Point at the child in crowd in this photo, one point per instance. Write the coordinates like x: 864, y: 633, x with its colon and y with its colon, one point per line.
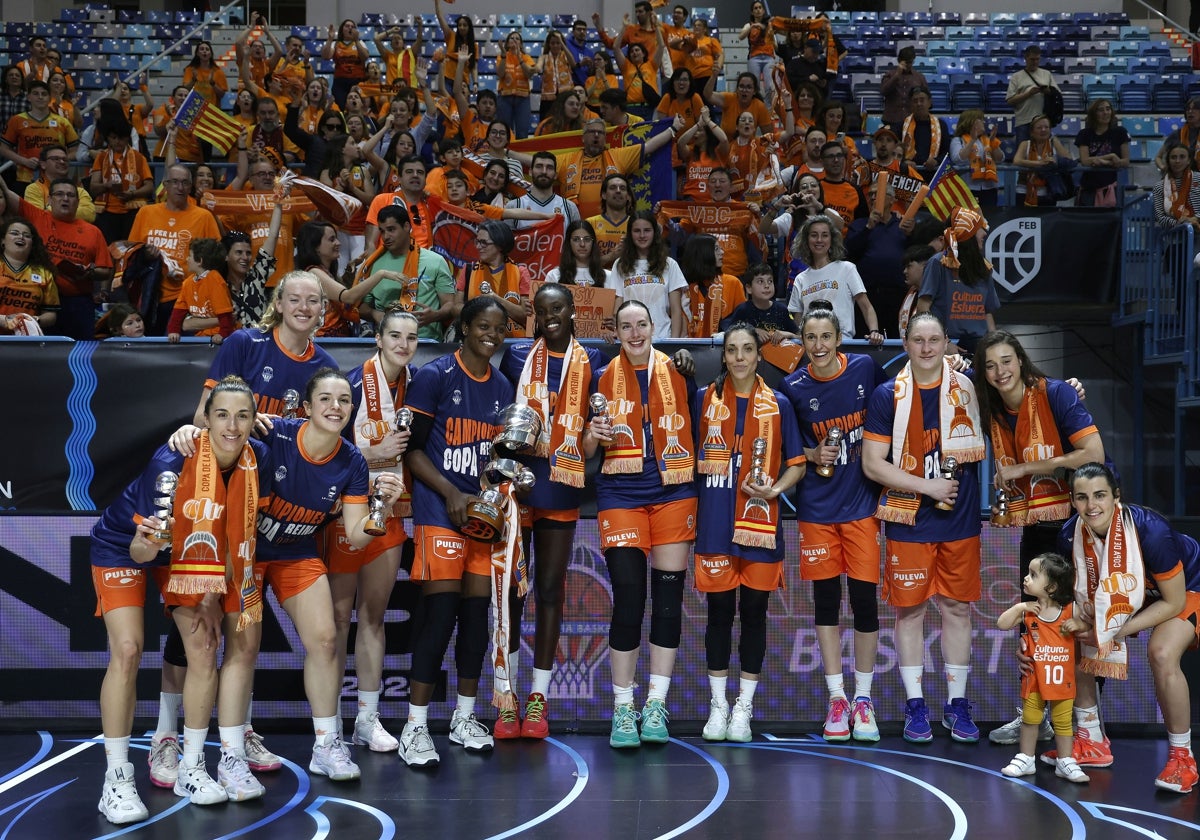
x: 913, y: 266
x: 1050, y: 624
x: 121, y: 321
x: 768, y: 316
x: 204, y: 293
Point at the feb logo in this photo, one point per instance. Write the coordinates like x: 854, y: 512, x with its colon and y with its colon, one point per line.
x: 1015, y: 251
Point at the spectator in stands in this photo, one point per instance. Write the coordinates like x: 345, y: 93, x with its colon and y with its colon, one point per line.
x: 614, y: 108
x: 579, y: 263
x: 1103, y: 142
x: 204, y: 293
x: 705, y: 57
x: 831, y: 277
x: 735, y: 228
x: 876, y: 246
x: 747, y: 99
x: 926, y: 137
x: 349, y: 55
x: 580, y: 172
x: 808, y: 65
x: 121, y: 182
x: 567, y: 115
x: 29, y: 299
x: 750, y: 156
x: 806, y: 102
x: 168, y: 229
x: 760, y: 59
x: 555, y: 66
x: 712, y: 292
x: 612, y: 222
x: 814, y: 141
x: 13, y: 101
x: 457, y: 39
x: 28, y: 132
x: 1039, y: 157
x: 832, y: 120
x: 415, y: 279
x: 640, y: 74
x: 896, y: 85
x: 515, y: 67
x: 247, y: 271
x: 702, y: 148
x: 137, y: 114
x: 1177, y: 196
x: 1188, y: 134
x: 642, y: 30
x: 410, y: 193
x: 399, y: 61
x: 913, y: 263
x: 38, y: 65
x: 203, y: 75
x: 1026, y: 92
x: 495, y: 275
x: 977, y: 154
x: 187, y: 147
x: 770, y: 318
x: 315, y: 105
x: 675, y: 31
x: 255, y: 52
x: 121, y: 321
x: 493, y: 188
x: 350, y: 170
x: 268, y: 134
x: 543, y: 174
x: 318, y: 249
x: 678, y: 100
x: 903, y: 179
x: 958, y: 286
x: 840, y: 194
x: 56, y: 165
x: 577, y: 45
x: 645, y: 272
x: 78, y: 252
x: 62, y: 100
x: 292, y: 69
x: 602, y: 79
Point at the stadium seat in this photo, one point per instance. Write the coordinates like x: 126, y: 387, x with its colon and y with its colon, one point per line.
x: 1169, y: 93
x: 990, y: 33
x: 1079, y: 65
x: 1112, y: 65
x: 859, y: 18
x: 1087, y: 18
x: 1135, y: 33
x: 1102, y: 85
x: 1122, y: 49
x: 966, y: 91
x: 940, y: 49
x: 1140, y: 126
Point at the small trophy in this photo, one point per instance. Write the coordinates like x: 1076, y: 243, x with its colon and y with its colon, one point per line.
x: 485, y: 288
x: 1001, y: 517
x: 291, y: 403
x: 599, y: 404
x: 376, y: 512
x: 165, y: 485
x: 949, y: 465
x: 758, y: 461
x: 834, y: 438
x: 404, y: 418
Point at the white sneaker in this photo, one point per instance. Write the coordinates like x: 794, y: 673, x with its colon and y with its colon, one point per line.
x: 718, y: 721
x: 1021, y: 765
x: 119, y: 800
x: 260, y: 759
x: 164, y: 762
x: 198, y: 786
x: 416, y: 746
x: 739, y: 721
x: 1068, y: 768
x: 234, y: 775
x: 333, y: 760
x: 468, y: 731
x: 865, y: 727
x: 1010, y: 733
x: 369, y: 732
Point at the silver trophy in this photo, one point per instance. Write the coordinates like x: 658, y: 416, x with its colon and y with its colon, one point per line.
x: 291, y: 403
x: 833, y: 438
x: 599, y: 404
x: 404, y: 418
x: 1001, y: 517
x: 521, y: 428
x: 485, y: 515
x: 376, y: 512
x: 949, y: 466
x: 758, y: 461
x: 165, y: 485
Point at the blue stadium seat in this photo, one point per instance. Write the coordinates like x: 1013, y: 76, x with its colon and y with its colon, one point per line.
x: 1059, y: 18
x: 122, y: 63
x: 92, y: 80
x: 1116, y: 19
x: 1087, y: 18
x: 947, y: 66
x: 925, y: 64
x: 939, y: 91
x: 1149, y: 64
x: 1135, y: 33
x: 947, y: 18
x: 156, y: 16
x: 864, y: 17
x: 1004, y: 19
x: 1140, y: 126
x: 512, y: 20
x: 1079, y: 65
x: 72, y: 15
x: 1169, y: 92
x: 537, y: 20
x: 1101, y: 86
x: 1074, y: 97
x: 1094, y: 49
x: 1123, y: 48
x: 111, y: 45
x: 966, y: 91
x: 990, y: 33
x: 972, y: 50
x: 129, y: 16
x: 1062, y: 49
x: 1112, y: 65
x: 1071, y: 125
x: 1031, y: 18
x: 891, y: 17
x: 941, y: 49
x: 960, y: 33
x: 839, y: 18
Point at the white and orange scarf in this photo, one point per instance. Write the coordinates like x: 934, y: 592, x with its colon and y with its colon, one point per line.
x: 1176, y: 200
x: 706, y: 309
x: 375, y: 421
x: 909, y: 130
x: 212, y: 540
x: 983, y: 166
x: 672, y: 430
x: 958, y: 428
x: 562, y: 418
x: 1111, y: 588
x: 758, y: 520
x: 1040, y: 498
x: 509, y: 568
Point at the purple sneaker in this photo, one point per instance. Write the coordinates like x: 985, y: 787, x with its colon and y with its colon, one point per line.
x: 956, y: 716
x: 916, y: 722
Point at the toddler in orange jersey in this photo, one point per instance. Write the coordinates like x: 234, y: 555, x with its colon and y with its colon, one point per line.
x: 204, y: 294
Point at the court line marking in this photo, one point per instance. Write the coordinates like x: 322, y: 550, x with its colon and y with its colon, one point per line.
x: 581, y: 781
x: 719, y: 796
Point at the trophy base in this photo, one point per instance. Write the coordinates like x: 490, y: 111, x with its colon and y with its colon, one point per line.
x: 484, y: 522
x: 944, y: 506
x: 825, y: 472
x: 374, y: 530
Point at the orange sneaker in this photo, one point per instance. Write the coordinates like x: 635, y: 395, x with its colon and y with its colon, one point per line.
x: 1086, y: 752
x: 535, y: 724
x: 508, y: 725
x: 1180, y: 773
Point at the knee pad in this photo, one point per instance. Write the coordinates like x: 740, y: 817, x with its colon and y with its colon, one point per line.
x: 666, y: 607
x: 173, y: 652
x: 717, y: 642
x: 431, y: 635
x: 752, y: 648
x: 627, y: 573
x: 827, y: 601
x: 864, y: 603
x: 470, y: 647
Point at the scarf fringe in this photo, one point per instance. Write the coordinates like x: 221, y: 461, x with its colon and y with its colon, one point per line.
x: 572, y: 475
x: 252, y: 614
x: 505, y: 701
x: 753, y: 538
x: 622, y: 465
x: 1104, y: 668
x: 897, y: 515
x: 711, y: 466
x: 678, y: 475
x: 197, y: 583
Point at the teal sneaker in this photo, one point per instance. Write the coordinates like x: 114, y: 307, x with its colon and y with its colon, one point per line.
x: 624, y: 727
x: 654, y: 722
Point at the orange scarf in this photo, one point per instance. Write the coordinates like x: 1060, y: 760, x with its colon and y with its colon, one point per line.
x: 672, y: 430
x: 411, y: 271
x: 1033, y: 180
x: 1039, y: 498
x: 562, y: 418
x: 481, y: 280
x: 1175, y: 200
x: 1112, y: 588
x: 375, y: 421
x: 814, y: 28
x: 983, y: 167
x: 208, y: 548
x: 758, y: 521
x: 909, y: 130
x: 706, y: 319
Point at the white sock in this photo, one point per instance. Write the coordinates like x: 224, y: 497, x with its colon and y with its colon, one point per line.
x: 622, y: 694
x: 836, y: 684
x: 718, y: 685
x: 541, y: 681
x: 1088, y: 719
x: 1182, y: 739
x: 368, y: 702
x: 658, y: 687
x: 193, y: 746
x: 168, y: 715
x: 326, y: 729
x: 862, y: 683
x: 116, y: 752
x: 910, y: 675
x: 514, y: 659
x: 465, y: 705
x: 956, y: 681
x: 250, y: 711
x: 233, y: 740
x: 748, y: 687
x: 418, y: 715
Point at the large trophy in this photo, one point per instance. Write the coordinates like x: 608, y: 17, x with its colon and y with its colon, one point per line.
x: 165, y: 485
x: 486, y: 515
x: 949, y: 465
x: 834, y: 438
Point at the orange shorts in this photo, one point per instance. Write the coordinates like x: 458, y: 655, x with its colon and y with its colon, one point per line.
x: 344, y: 559
x: 530, y: 515
x: 1191, y: 613
x: 842, y: 548
x: 648, y: 526
x: 125, y: 586
x: 723, y: 572
x: 288, y: 577
x: 913, y: 572
x: 445, y: 554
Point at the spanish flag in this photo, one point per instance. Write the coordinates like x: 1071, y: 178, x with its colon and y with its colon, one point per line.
x: 208, y: 122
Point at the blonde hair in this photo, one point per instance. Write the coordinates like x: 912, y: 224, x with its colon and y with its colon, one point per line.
x: 271, y: 317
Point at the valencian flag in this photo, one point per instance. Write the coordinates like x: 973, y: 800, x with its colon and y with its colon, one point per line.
x: 208, y: 122
x: 948, y: 190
